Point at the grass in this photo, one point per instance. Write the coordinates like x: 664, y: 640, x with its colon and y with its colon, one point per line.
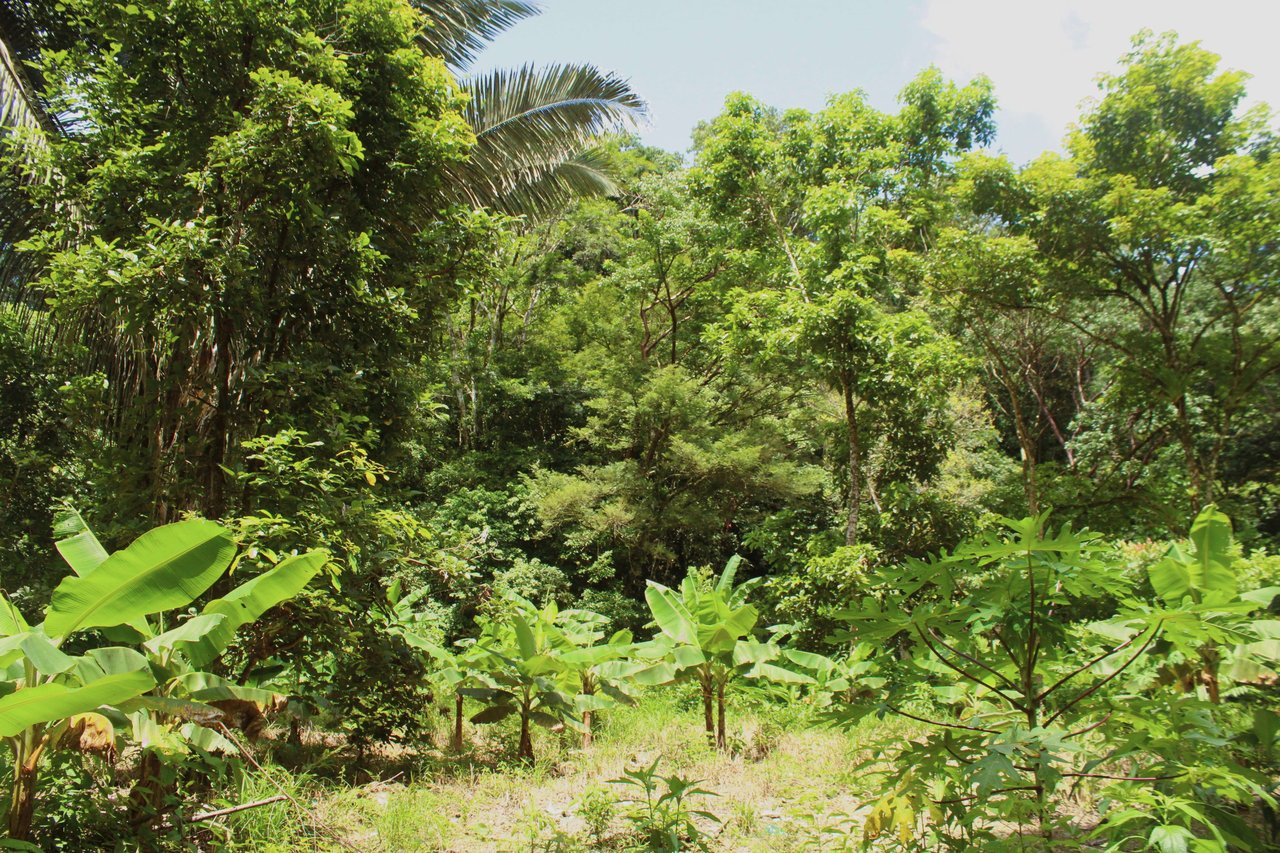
x: 786, y: 785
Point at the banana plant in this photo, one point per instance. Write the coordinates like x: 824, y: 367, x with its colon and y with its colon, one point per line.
x: 836, y: 678
x: 602, y: 673
x: 1211, y: 624
x: 523, y: 671
x: 451, y: 671
x: 455, y: 672
x: 705, y: 635
x: 46, y: 694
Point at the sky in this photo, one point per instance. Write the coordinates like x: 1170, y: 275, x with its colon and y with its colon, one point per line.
x: 1043, y: 56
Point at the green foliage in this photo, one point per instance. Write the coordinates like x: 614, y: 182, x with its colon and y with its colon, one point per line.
x: 546, y: 667
x: 705, y: 635
x: 662, y: 815
x: 1038, y: 707
x: 51, y: 698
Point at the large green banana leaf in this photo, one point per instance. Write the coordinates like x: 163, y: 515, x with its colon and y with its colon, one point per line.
x: 670, y: 614
x: 11, y: 621
x: 77, y: 544
x: 164, y: 568
x: 190, y: 631
x: 247, y: 602
x: 47, y: 702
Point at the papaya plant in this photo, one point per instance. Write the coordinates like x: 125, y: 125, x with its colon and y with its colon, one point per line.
x: 705, y: 635
x: 1037, y: 702
x: 46, y: 693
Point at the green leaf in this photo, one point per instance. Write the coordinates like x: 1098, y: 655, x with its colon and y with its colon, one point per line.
x: 1211, y: 534
x: 688, y: 656
x: 725, y: 585
x: 247, y: 602
x: 670, y: 614
x: 660, y: 673
x: 189, y: 631
x: 1171, y: 579
x: 525, y: 640
x: 76, y: 543
x: 493, y: 715
x: 48, y: 702
x: 1170, y: 839
x: 1263, y: 596
x: 547, y: 721
x: 11, y: 621
x: 164, y: 568
x: 44, y: 655
x: 773, y: 672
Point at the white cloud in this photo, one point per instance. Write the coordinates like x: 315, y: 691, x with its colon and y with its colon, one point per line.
x: 1044, y: 55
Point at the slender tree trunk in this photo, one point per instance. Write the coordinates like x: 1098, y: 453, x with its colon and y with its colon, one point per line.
x: 708, y: 711
x: 456, y: 744
x: 721, y: 741
x: 855, y: 463
x: 587, y: 734
x: 22, y: 798
x: 218, y: 440
x: 526, y: 740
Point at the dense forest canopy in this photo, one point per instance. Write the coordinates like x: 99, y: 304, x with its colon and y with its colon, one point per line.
x: 285, y: 266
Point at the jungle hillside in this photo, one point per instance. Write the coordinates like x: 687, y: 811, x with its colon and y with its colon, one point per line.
x: 397, y: 456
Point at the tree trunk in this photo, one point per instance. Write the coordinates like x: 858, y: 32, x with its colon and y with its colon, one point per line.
x: 456, y: 743
x: 146, y: 798
x: 587, y: 735
x: 708, y: 711
x: 721, y: 741
x: 526, y: 740
x: 22, y: 800
x: 855, y: 463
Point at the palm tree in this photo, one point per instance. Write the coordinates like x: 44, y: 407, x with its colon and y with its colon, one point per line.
x: 535, y: 127
x: 535, y: 135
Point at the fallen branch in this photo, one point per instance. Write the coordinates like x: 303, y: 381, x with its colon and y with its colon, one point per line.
x: 196, y: 818
x: 233, y: 809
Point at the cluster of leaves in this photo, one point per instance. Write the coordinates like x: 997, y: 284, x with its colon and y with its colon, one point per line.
x: 1044, y: 698
x: 153, y: 683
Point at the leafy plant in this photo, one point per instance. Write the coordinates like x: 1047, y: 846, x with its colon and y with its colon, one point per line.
x: 705, y: 635
x: 990, y: 628
x: 660, y: 814
x: 52, y: 700
x: 522, y: 671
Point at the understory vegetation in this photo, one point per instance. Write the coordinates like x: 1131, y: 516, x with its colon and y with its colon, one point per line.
x: 395, y: 458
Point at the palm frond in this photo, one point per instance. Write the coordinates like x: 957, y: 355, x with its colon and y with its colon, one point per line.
x: 459, y: 29
x: 534, y: 130
x: 18, y: 106
x: 551, y: 186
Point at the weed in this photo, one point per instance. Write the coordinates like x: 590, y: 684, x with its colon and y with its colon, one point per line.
x: 597, y: 810
x: 663, y: 820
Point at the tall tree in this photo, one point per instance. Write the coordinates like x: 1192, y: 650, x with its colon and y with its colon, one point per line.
x: 1157, y: 237
x: 836, y: 204
x: 251, y: 221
